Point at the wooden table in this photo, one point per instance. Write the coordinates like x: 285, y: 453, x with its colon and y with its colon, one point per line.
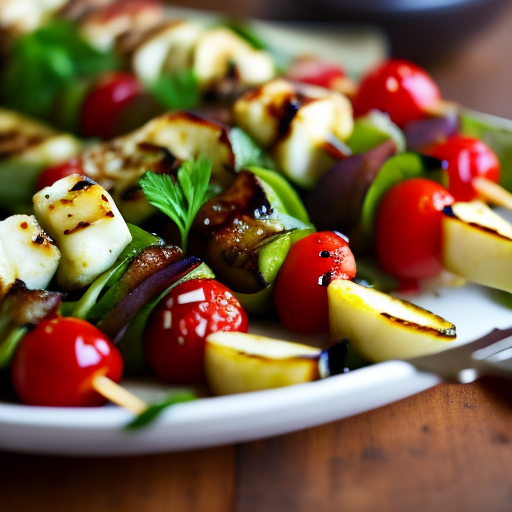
x: 446, y: 449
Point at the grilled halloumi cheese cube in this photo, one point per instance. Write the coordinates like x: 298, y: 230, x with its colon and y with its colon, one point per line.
x: 86, y: 225
x: 216, y: 55
x: 26, y: 147
x: 220, y: 53
x: 168, y: 49
x: 158, y: 146
x: 26, y: 253
x: 302, y: 126
x: 19, y: 132
x: 32, y: 141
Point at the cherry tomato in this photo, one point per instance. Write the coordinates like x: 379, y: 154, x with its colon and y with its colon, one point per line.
x: 56, y: 362
x: 316, y: 72
x: 300, y: 292
x: 400, y: 88
x: 408, y: 234
x: 56, y: 172
x: 102, y: 107
x: 175, y: 337
x: 466, y: 158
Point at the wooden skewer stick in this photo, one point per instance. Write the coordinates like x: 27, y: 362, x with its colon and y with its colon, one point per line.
x: 118, y: 395
x: 492, y: 192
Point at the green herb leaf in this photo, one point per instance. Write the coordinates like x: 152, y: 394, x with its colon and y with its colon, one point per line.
x: 178, y: 90
x: 180, y: 198
x: 154, y: 410
x: 45, y: 61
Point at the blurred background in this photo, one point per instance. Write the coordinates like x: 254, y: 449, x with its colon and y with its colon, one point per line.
x: 464, y: 44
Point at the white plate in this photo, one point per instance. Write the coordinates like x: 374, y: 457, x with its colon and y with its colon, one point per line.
x: 221, y: 420
x: 231, y: 419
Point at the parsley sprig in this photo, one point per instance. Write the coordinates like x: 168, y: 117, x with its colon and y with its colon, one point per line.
x: 180, y: 198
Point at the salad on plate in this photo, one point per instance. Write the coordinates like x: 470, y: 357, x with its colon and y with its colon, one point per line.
x: 170, y: 185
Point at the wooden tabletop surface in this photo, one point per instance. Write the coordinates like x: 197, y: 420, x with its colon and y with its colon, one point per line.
x: 446, y: 449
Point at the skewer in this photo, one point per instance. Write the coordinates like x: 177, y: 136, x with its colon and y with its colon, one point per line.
x: 488, y: 190
x: 118, y: 395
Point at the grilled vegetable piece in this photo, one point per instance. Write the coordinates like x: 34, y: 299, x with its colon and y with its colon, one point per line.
x: 118, y: 319
x: 159, y: 146
x: 27, y: 146
x: 234, y: 232
x: 337, y: 200
x: 28, y: 307
x: 85, y: 223
x: 477, y: 244
x: 302, y: 126
x: 102, y: 285
x: 130, y: 338
x: 424, y: 133
x: 26, y: 253
x: 149, y: 261
x: 286, y: 199
x: 236, y: 362
x: 381, y: 327
x: 19, y: 309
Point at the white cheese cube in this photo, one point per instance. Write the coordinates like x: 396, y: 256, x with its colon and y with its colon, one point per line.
x: 86, y: 225
x: 26, y: 253
x: 219, y: 50
x: 302, y: 126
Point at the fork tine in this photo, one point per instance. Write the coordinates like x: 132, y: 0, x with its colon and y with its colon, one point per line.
x: 459, y: 363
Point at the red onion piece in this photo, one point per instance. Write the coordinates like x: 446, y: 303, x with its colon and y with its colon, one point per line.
x: 336, y: 201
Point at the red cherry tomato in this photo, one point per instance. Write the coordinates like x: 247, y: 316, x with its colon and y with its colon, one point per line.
x: 110, y: 96
x: 397, y: 87
x: 315, y: 72
x: 56, y: 172
x: 56, y: 362
x: 466, y: 158
x: 300, y: 292
x: 175, y: 337
x: 408, y: 234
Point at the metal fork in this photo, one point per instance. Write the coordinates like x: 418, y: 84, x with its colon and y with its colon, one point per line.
x: 489, y: 355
